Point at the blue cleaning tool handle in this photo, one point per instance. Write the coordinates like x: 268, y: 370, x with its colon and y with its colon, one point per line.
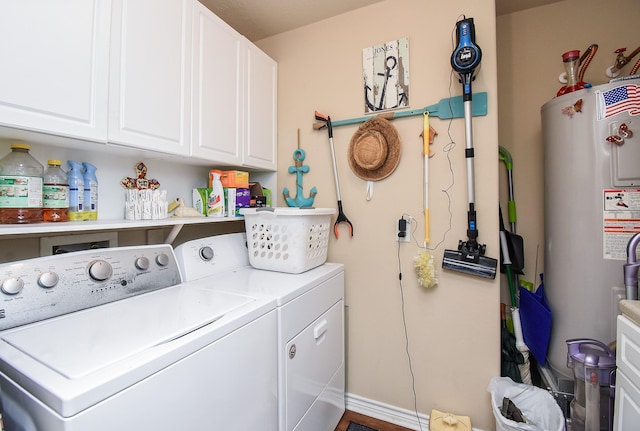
x: 467, y: 55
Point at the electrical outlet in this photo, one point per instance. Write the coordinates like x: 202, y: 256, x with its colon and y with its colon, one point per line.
x: 403, y: 230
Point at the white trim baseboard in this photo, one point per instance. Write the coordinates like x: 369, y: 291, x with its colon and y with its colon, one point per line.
x: 388, y: 413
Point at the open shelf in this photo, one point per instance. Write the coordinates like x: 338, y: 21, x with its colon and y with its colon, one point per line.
x: 98, y: 225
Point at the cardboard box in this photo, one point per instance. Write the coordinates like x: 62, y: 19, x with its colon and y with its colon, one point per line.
x: 260, y: 196
x: 231, y: 179
x: 243, y: 199
x: 230, y: 201
x: 267, y: 195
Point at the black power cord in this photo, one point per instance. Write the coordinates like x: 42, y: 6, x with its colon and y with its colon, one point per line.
x: 406, y: 338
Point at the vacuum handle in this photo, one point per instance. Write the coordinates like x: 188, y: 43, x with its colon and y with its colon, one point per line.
x: 467, y: 55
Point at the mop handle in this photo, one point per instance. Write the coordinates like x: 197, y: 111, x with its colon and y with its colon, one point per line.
x: 426, y: 137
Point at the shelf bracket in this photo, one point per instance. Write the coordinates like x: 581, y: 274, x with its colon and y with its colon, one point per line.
x: 175, y: 230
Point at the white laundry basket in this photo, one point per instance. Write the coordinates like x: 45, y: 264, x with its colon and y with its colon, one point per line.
x: 285, y: 239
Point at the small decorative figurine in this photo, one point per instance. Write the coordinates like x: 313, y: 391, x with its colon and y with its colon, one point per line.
x: 180, y: 209
x: 299, y: 200
x: 140, y: 181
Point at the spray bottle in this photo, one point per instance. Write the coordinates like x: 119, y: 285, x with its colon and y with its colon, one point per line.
x: 90, y: 192
x: 76, y: 191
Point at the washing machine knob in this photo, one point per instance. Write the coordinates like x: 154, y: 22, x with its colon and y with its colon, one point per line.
x: 100, y: 270
x: 142, y: 263
x: 12, y: 286
x: 162, y: 259
x: 206, y: 253
x: 48, y: 279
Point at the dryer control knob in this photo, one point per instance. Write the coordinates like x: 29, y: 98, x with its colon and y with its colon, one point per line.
x: 100, y: 270
x: 162, y: 259
x: 48, y: 279
x: 206, y: 253
x: 12, y: 286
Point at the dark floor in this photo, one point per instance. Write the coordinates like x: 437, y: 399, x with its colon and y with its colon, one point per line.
x: 367, y: 421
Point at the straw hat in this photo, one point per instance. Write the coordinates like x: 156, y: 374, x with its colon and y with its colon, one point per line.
x: 374, y: 150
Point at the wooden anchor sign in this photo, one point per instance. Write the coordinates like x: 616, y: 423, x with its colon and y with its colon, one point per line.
x: 299, y: 169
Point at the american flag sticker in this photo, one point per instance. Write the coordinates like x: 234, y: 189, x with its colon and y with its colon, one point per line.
x: 625, y: 98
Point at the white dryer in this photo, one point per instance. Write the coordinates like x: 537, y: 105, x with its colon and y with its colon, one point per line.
x: 310, y: 326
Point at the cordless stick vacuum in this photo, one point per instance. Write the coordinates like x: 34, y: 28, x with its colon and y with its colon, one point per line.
x: 469, y: 258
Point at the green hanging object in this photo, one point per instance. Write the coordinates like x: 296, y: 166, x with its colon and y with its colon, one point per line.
x: 299, y: 169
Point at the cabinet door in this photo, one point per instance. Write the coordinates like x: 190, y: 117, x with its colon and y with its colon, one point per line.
x: 261, y: 110
x: 217, y: 89
x: 627, y: 410
x: 54, y: 70
x: 149, y: 96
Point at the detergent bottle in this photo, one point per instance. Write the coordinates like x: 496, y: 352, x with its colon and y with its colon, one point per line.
x: 215, y: 205
x: 76, y: 191
x: 90, y: 191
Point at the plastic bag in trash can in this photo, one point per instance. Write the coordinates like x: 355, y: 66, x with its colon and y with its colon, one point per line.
x: 537, y: 405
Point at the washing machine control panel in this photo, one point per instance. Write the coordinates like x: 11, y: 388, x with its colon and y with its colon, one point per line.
x: 40, y: 288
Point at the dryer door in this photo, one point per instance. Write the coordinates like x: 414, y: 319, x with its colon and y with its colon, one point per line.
x: 313, y: 357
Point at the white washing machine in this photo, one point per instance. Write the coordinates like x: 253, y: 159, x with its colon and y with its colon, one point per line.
x: 310, y: 322
x: 112, y: 339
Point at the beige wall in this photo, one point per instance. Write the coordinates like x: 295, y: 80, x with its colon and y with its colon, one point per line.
x: 530, y: 48
x: 453, y: 328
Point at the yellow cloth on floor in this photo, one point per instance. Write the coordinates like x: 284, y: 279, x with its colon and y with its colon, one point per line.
x: 440, y: 421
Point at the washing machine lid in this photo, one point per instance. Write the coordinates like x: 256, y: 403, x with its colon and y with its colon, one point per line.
x: 75, y: 361
x: 85, y: 342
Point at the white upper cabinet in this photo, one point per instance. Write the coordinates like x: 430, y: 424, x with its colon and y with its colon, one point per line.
x: 150, y: 68
x: 260, y: 147
x: 169, y: 77
x: 234, y: 96
x: 217, y: 89
x: 54, y: 70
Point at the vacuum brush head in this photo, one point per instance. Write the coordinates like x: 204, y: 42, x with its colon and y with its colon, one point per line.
x: 470, y: 262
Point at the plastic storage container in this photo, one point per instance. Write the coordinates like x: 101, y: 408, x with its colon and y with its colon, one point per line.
x: 20, y: 186
x: 90, y: 191
x: 76, y: 191
x: 55, y: 193
x: 291, y: 240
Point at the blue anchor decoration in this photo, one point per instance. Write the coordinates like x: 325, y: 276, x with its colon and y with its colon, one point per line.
x: 299, y: 169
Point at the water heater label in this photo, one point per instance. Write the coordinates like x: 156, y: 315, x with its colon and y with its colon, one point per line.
x: 621, y: 220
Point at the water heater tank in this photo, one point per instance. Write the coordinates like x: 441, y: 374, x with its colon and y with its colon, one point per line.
x: 591, y: 210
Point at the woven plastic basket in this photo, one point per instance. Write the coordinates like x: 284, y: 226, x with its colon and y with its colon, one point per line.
x: 285, y: 239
